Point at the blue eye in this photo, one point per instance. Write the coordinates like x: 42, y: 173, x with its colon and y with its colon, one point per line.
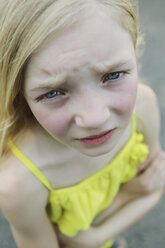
x: 112, y: 76
x: 52, y: 94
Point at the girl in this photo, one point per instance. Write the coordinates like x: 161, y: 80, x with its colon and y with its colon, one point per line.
x: 75, y: 123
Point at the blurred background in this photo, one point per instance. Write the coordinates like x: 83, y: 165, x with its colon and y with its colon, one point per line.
x: 150, y: 231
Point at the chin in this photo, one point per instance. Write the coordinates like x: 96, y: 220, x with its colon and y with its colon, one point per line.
x: 94, y: 151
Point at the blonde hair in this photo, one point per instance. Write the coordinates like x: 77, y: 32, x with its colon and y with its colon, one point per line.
x: 24, y: 25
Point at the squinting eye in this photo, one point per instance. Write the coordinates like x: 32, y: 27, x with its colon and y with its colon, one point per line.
x: 112, y: 76
x: 52, y: 94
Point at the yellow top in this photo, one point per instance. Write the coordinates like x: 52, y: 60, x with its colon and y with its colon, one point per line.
x: 74, y: 208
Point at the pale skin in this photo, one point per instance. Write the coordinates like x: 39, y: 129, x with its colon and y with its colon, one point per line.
x: 52, y: 145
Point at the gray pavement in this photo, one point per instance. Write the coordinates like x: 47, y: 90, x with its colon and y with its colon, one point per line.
x: 150, y: 231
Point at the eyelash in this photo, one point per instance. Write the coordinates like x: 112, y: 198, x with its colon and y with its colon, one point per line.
x: 61, y: 92
x: 119, y: 74
x: 43, y: 97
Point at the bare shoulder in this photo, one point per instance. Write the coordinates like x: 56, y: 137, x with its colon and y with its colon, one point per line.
x: 146, y: 105
x: 18, y: 188
x: 23, y: 202
x: 148, y: 116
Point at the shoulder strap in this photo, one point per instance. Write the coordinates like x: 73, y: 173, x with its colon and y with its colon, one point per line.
x: 29, y: 165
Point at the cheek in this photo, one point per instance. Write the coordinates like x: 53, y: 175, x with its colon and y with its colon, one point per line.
x: 55, y: 122
x: 125, y: 100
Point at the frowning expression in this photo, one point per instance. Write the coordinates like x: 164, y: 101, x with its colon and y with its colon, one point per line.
x: 83, y: 83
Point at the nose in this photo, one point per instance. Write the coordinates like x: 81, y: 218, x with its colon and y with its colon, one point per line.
x: 92, y: 111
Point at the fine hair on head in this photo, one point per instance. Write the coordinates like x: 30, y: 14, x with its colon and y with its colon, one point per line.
x: 24, y: 25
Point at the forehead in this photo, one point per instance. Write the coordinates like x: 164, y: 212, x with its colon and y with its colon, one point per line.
x: 92, y: 40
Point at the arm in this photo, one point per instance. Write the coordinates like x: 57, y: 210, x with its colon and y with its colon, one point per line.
x: 31, y: 230
x: 23, y: 202
x: 151, y: 179
x: 45, y: 237
x: 124, y: 217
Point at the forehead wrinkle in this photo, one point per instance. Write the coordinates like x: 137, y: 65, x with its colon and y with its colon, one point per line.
x: 50, y: 82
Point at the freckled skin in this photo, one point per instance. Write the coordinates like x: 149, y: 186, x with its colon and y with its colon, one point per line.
x: 89, y: 106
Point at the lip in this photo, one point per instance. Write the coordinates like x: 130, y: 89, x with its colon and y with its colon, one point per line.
x: 97, y: 139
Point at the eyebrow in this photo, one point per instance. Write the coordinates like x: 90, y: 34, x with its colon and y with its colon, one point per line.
x: 51, y: 83
x: 103, y: 67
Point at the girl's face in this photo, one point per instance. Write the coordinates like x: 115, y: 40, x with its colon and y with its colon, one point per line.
x: 83, y: 83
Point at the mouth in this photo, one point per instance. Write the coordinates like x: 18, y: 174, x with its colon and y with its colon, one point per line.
x: 97, y: 139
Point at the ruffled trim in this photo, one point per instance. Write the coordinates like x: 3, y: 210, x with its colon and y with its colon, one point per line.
x: 74, y: 208
x: 138, y: 154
